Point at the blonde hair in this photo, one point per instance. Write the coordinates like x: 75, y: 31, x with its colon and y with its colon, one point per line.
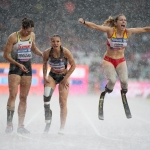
x: 111, y: 20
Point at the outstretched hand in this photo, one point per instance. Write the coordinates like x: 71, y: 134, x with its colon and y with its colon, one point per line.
x: 81, y: 20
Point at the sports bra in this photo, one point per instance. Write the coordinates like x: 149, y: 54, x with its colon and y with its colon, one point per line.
x: 57, y: 64
x: 117, y: 43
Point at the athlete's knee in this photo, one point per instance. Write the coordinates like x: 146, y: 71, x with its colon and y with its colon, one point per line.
x: 112, y: 81
x: 48, y: 91
x: 12, y: 97
x: 23, y: 97
x: 63, y: 105
x: 124, y: 91
x: 124, y: 83
x: 107, y: 89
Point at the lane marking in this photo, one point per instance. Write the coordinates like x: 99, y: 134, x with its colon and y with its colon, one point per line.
x: 53, y: 143
x: 62, y: 143
x: 145, y: 121
x: 35, y: 116
x: 93, y: 126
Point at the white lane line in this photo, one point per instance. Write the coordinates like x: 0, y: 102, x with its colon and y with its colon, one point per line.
x: 29, y: 121
x: 145, y: 121
x: 93, y: 126
x: 61, y: 143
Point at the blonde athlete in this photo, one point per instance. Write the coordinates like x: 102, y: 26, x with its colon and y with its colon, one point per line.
x: 114, y: 60
x: 18, y: 52
x: 58, y: 58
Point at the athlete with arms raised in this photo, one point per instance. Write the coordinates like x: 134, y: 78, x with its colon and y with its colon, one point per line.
x: 114, y: 60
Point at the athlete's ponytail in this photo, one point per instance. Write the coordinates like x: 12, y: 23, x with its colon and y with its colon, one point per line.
x: 111, y: 20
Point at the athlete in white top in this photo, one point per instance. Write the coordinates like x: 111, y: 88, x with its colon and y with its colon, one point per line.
x: 18, y: 51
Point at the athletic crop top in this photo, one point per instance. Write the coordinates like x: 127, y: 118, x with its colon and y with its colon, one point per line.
x: 117, y: 43
x: 22, y: 49
x: 57, y: 64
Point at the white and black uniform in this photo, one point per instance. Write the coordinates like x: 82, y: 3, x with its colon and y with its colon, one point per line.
x: 21, y: 53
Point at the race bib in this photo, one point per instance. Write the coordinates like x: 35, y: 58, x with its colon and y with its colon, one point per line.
x: 24, y: 54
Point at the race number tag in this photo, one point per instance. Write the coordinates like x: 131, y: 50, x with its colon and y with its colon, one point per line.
x: 24, y: 54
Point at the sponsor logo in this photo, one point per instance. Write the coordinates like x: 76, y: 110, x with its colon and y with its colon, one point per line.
x: 24, y: 46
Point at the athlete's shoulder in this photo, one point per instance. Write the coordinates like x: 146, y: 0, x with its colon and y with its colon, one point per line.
x: 65, y: 49
x: 33, y: 35
x: 46, y: 51
x: 14, y: 34
x: 67, y: 52
x: 13, y: 37
x: 111, y: 32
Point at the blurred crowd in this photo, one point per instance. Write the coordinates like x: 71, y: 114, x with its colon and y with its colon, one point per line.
x: 87, y: 46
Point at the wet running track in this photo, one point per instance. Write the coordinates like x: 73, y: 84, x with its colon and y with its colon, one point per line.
x: 84, y: 131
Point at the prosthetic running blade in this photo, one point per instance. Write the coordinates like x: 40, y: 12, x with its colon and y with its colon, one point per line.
x: 126, y: 106
x: 100, y: 107
x: 47, y: 127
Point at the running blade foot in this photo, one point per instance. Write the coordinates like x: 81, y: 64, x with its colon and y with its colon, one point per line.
x: 47, y: 127
x: 100, y: 107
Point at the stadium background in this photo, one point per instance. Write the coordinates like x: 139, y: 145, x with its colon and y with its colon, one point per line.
x: 87, y: 46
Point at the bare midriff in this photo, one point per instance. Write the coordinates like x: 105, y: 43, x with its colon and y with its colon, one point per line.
x: 59, y: 72
x: 115, y: 54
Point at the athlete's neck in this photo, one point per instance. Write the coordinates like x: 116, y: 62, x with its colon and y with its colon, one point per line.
x: 119, y: 33
x: 22, y: 35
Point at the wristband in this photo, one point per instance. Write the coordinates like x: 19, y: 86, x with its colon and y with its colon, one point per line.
x: 84, y: 22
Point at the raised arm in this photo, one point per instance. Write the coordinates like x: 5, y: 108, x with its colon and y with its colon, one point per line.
x: 138, y: 30
x: 95, y: 26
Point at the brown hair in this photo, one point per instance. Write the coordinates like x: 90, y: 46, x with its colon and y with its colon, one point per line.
x: 27, y: 23
x: 55, y: 35
x: 111, y: 20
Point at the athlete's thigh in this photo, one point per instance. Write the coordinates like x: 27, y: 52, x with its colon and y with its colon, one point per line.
x: 25, y: 84
x: 109, y: 69
x: 122, y: 71
x: 13, y: 82
x: 51, y: 83
x: 63, y: 92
